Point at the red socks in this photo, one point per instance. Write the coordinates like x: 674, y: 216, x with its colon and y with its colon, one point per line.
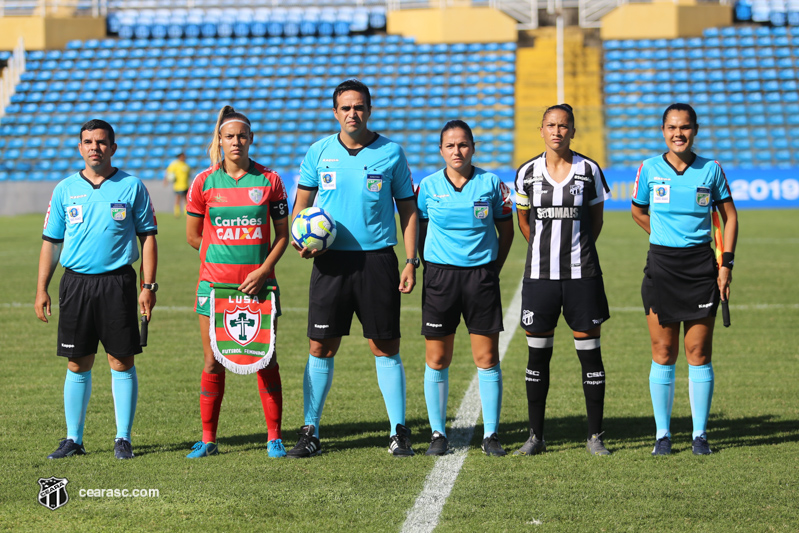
x: 271, y: 391
x: 212, y: 390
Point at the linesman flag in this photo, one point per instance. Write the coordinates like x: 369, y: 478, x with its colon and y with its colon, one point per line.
x: 718, y: 240
x: 243, y: 328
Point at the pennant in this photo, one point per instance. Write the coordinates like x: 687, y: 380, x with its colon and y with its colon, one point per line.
x: 718, y: 240
x: 242, y: 330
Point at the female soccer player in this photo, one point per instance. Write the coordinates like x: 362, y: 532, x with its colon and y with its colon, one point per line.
x: 559, y: 198
x: 235, y: 191
x: 674, y: 196
x: 466, y: 234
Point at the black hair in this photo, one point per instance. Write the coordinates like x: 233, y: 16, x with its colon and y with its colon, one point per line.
x: 453, y: 124
x: 352, y: 85
x: 680, y: 107
x: 96, y: 124
x: 566, y: 108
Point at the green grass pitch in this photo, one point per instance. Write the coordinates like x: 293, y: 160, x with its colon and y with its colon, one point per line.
x: 750, y: 483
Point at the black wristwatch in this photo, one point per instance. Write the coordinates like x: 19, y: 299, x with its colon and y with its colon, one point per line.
x: 150, y: 286
x: 415, y: 262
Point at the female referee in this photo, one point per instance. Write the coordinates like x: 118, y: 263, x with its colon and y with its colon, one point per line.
x: 232, y: 189
x: 674, y: 196
x: 559, y: 200
x: 465, y: 235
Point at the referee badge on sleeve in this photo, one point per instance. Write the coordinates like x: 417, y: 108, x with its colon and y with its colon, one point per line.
x: 481, y: 210
x: 703, y: 196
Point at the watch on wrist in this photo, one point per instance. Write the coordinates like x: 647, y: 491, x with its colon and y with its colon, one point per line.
x: 150, y: 286
x: 415, y: 262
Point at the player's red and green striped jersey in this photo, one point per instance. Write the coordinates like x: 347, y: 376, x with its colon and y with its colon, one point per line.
x: 236, y: 213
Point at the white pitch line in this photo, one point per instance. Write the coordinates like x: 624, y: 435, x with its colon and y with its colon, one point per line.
x: 424, y: 515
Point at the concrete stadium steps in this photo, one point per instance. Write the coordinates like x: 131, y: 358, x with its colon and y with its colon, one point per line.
x: 536, y: 89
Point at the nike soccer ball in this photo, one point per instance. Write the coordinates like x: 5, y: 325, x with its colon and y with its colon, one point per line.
x: 314, y: 229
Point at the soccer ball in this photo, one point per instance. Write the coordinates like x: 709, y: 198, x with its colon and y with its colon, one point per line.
x: 314, y: 229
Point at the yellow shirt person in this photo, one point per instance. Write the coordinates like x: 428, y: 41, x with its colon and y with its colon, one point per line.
x: 177, y: 173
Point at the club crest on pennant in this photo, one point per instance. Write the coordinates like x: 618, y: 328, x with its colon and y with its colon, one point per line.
x: 53, y: 492
x: 242, y: 325
x: 256, y: 195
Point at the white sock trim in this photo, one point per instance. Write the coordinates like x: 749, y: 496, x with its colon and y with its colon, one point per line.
x: 586, y: 344
x: 540, y: 342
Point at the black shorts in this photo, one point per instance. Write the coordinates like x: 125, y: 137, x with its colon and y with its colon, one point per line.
x: 364, y: 283
x: 97, y: 308
x: 680, y: 283
x: 448, y: 292
x: 584, y: 303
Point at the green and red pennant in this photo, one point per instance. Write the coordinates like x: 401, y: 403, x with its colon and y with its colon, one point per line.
x: 242, y: 330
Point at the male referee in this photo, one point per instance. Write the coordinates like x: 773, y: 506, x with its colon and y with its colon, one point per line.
x: 91, y: 224
x: 356, y: 176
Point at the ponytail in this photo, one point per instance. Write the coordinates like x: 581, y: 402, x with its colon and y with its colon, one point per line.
x: 214, y: 149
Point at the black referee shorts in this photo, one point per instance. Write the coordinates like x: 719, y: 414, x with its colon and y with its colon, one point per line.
x: 96, y: 308
x: 584, y: 303
x: 362, y: 282
x: 448, y: 292
x: 680, y: 283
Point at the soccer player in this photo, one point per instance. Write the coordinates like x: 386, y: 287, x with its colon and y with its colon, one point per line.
x: 356, y: 175
x: 235, y: 192
x: 91, y: 225
x: 673, y: 201
x: 559, y: 198
x: 177, y: 173
x: 466, y: 230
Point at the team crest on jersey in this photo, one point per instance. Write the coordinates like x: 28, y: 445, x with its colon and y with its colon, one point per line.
x: 242, y: 324
x: 374, y: 182
x: 703, y: 196
x: 481, y: 210
x: 53, y: 492
x: 576, y: 188
x: 328, y: 180
x: 256, y: 195
x: 118, y: 211
x: 527, y: 317
x: 75, y: 214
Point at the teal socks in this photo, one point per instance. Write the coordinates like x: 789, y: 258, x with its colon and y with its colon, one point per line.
x: 700, y: 389
x: 315, y: 385
x: 436, y: 392
x: 490, y: 380
x: 125, y: 387
x: 391, y: 379
x: 661, y: 388
x: 77, y: 391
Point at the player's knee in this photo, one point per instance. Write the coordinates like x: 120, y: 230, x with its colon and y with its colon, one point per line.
x: 324, y: 348
x: 385, y: 347
x: 698, y: 353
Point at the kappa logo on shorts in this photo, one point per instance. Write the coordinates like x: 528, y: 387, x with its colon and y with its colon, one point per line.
x: 527, y: 317
x: 598, y: 321
x: 429, y: 325
x: 321, y: 326
x: 706, y: 306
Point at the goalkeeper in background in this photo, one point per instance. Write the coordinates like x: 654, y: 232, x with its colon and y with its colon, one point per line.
x: 177, y: 173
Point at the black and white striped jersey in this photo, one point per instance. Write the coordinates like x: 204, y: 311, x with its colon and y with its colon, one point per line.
x: 561, y: 245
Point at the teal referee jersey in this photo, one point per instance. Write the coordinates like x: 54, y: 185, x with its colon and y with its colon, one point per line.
x: 99, y: 224
x: 358, y: 188
x: 460, y: 230
x: 680, y: 203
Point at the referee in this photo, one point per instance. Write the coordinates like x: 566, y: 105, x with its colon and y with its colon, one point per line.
x: 357, y: 175
x: 92, y: 224
x: 466, y: 231
x: 674, y: 196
